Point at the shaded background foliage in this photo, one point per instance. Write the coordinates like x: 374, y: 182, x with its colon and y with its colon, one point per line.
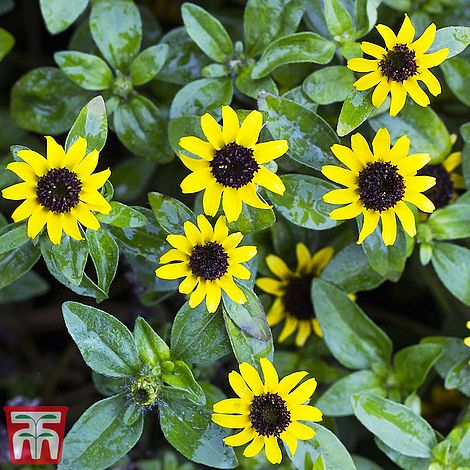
x: 39, y: 360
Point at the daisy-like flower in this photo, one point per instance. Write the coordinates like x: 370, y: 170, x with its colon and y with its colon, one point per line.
x: 398, y: 67
x: 267, y: 411
x: 378, y: 184
x: 60, y: 190
x: 448, y: 181
x: 208, y: 258
x: 293, y: 301
x: 231, y: 163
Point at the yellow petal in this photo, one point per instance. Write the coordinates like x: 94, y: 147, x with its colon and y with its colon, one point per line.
x: 88, y: 165
x: 407, y: 32
x: 173, y: 270
x: 278, y: 267
x: 361, y: 149
x: 23, y: 170
x: 301, y: 431
x: 304, y: 257
x: 240, y: 271
x: 197, y: 181
x: 398, y: 93
x: 39, y: 164
x: 406, y: 217
x: 37, y: 221
x: 229, y: 286
x: 231, y: 124
x: 276, y: 313
x: 370, y: 221
x: 452, y: 161
x: 320, y: 259
x: 197, y: 146
x: 97, y: 180
x: 213, y: 296
x: 194, y: 164
x: 347, y: 212
x: 250, y: 197
x: 431, y: 82
x: 173, y: 255
x: 180, y: 242
x: 273, y: 452
x: 289, y: 382
x: 317, y: 328
x: 368, y: 81
x: 25, y: 209
x: 75, y: 153
x: 242, y: 254
x: 205, y: 228
x: 70, y: 226
x: 20, y: 191
x: 231, y: 421
x: 303, y: 392
x: 303, y: 333
x: 269, y: 180
x: 212, y: 131
x: 373, y: 49
x: 270, y: 286
x: 55, y: 153
x: 339, y: 175
x: 264, y: 152
x: 413, y: 163
x: 239, y: 386
x: 251, y: 377
x: 381, y: 144
x: 221, y: 230
x: 432, y: 60
x: 380, y: 93
x: 188, y: 284
x: 232, y: 241
x: 241, y: 438
x: 419, y: 200
x: 389, y: 227
x: 255, y: 447
x: 400, y: 149
x: 363, y: 65
x: 290, y: 326
x: 341, y: 196
x: 198, y: 295
x: 271, y: 379
x: 54, y: 227
x: 388, y: 35
x: 211, y: 199
x: 347, y: 157
x: 85, y: 217
x: 192, y: 233
x: 416, y: 92
x: 250, y: 129
x: 232, y: 406
x: 422, y: 44
x: 419, y: 183
x: 232, y: 204
x: 290, y: 440
x: 306, y: 413
x: 95, y: 199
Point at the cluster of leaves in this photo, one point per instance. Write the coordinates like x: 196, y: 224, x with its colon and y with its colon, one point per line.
x: 152, y: 89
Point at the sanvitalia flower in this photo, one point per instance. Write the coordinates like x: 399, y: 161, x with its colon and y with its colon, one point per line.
x: 59, y: 190
x: 378, y: 184
x: 447, y: 180
x: 267, y: 411
x: 398, y: 67
x: 293, y: 301
x: 208, y: 258
x: 231, y: 163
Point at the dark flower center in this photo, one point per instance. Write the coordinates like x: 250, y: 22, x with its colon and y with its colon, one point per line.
x: 297, y: 299
x: 269, y: 414
x: 380, y: 186
x: 399, y: 64
x: 234, y: 165
x: 209, y: 261
x: 58, y: 190
x: 443, y: 191
x: 143, y: 391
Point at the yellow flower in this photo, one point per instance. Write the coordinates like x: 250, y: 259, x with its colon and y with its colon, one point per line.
x: 231, y: 164
x: 447, y: 180
x: 209, y: 258
x: 294, y: 300
x: 267, y: 411
x: 397, y: 68
x: 378, y: 184
x: 59, y: 191
x: 467, y: 340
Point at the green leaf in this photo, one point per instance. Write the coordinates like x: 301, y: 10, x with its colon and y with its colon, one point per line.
x: 267, y: 20
x: 181, y: 378
x: 141, y: 126
x: 104, y: 252
x: 148, y: 63
x: 13, y: 236
x: 253, y: 88
x: 170, y: 213
x: 302, y: 203
x: 461, y: 455
x: 36, y: 105
x: 352, y: 337
x: 295, y: 48
x: 107, y: 346
x: 329, y: 84
x: 198, y: 336
x: 455, y: 38
x: 184, y: 61
x: 253, y: 220
x: 309, y: 135
x: 190, y: 430
x: 325, y: 445
x: 69, y: 257
x: 152, y: 349
x: 215, y: 71
x: 350, y: 270
x: 396, y: 425
x: 413, y: 363
x: 425, y: 129
x: 15, y: 263
x: 116, y: 28
x: 201, y: 96
x: 452, y: 265
x: 451, y: 222
x: 100, y: 437
x: 123, y: 216
x: 86, y: 70
x: 338, y: 19
x: 91, y: 123
x: 403, y: 461
x: 458, y: 375
x: 108, y: 386
x: 7, y: 41
x: 336, y: 401
x: 456, y: 72
x: 355, y: 110
x: 27, y: 287
x: 246, y: 347
x: 207, y: 32
x: 366, y: 16
x: 60, y: 14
